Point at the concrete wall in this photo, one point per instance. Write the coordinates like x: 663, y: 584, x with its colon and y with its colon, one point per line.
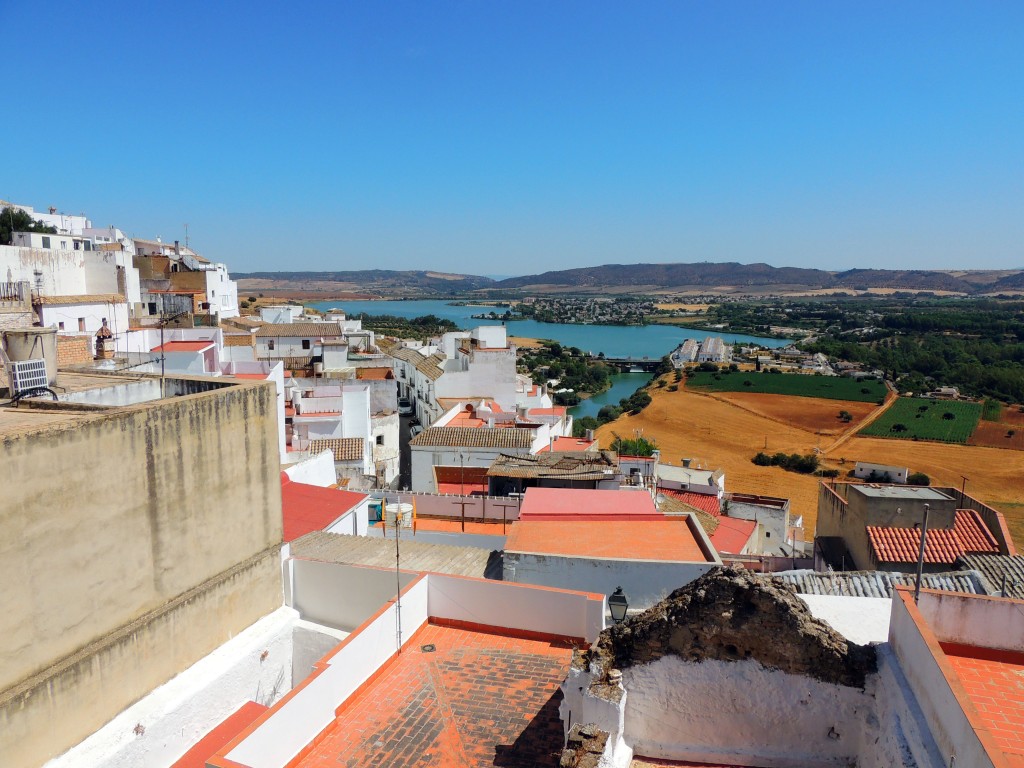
x: 645, y: 582
x: 62, y: 272
x: 87, y: 689
x: 110, y: 519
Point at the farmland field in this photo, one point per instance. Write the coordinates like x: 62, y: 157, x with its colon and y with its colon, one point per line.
x: 796, y: 384
x: 917, y: 418
x: 1005, y: 431
x: 726, y: 435
x: 811, y: 414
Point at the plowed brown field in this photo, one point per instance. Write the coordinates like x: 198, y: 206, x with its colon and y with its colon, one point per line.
x: 994, y: 433
x: 809, y: 413
x: 721, y: 434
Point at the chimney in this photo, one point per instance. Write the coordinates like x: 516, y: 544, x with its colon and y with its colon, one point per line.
x: 687, y: 462
x: 177, y: 248
x: 589, y: 435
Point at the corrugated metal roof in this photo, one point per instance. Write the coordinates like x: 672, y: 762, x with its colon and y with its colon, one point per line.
x: 993, y: 568
x: 877, y: 583
x: 380, y: 553
x: 475, y: 437
x: 575, y: 465
x: 299, y: 330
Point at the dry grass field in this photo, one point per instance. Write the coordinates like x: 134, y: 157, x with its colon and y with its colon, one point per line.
x: 723, y: 434
x: 522, y: 342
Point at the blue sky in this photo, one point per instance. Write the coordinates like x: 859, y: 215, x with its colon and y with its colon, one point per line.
x: 512, y: 138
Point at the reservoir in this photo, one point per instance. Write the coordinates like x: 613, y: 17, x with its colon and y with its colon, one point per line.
x: 651, y: 341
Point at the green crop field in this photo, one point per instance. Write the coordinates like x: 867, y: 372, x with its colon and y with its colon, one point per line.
x: 914, y: 417
x: 797, y: 384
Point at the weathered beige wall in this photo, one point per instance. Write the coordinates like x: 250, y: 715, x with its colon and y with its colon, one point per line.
x: 54, y: 711
x: 106, y: 519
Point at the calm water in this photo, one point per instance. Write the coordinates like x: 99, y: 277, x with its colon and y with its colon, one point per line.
x: 652, y: 341
x: 614, y: 340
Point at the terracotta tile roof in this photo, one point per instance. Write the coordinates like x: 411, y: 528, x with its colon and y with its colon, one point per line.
x: 669, y: 505
x: 574, y: 465
x: 306, y: 330
x: 474, y: 437
x: 890, y: 544
x: 399, y: 352
x: 307, y: 508
x: 430, y: 366
x: 85, y: 298
x: 344, y: 448
x: 702, y: 501
x: 243, y: 321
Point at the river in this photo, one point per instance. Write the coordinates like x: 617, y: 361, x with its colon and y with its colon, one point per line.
x: 651, y: 341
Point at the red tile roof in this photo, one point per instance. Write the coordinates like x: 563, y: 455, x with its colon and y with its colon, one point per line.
x: 969, y: 535
x: 308, y: 508
x: 587, y: 504
x: 558, y: 410
x: 732, y: 534
x: 183, y: 346
x: 212, y: 742
x: 569, y: 444
x: 702, y: 501
x: 668, y: 539
x: 378, y: 374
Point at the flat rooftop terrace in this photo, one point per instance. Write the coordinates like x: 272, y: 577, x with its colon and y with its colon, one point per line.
x: 994, y: 681
x: 455, y: 698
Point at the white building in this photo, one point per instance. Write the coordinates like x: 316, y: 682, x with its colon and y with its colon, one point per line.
x: 276, y: 341
x: 83, y: 314
x: 714, y: 350
x: 880, y: 473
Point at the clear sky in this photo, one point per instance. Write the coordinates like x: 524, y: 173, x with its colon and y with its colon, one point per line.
x: 515, y: 137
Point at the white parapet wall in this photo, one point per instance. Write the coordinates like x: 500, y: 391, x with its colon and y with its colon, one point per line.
x: 255, y: 665
x: 310, y: 708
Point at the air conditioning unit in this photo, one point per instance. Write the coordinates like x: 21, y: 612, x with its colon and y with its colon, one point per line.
x: 27, y: 374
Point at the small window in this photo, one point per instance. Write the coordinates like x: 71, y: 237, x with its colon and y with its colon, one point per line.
x: 270, y: 344
x: 305, y: 343
x: 380, y: 439
x: 46, y: 242
x: 88, y: 245
x: 63, y: 245
x: 81, y: 324
x: 104, y: 321
x: 76, y: 244
x: 767, y: 534
x: 213, y: 294
x: 60, y: 326
x: 152, y: 307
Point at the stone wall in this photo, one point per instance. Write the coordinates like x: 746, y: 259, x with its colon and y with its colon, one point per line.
x: 18, y: 318
x: 107, y: 521
x: 74, y: 350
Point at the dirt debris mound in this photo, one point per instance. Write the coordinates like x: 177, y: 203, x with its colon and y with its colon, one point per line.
x: 729, y: 614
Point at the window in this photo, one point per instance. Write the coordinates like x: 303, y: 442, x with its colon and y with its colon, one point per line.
x: 767, y: 534
x: 88, y: 245
x: 81, y: 324
x: 380, y: 439
x: 60, y: 326
x: 63, y: 245
x: 46, y: 242
x: 213, y: 294
x: 270, y: 344
x: 76, y: 244
x: 152, y: 307
x: 305, y: 343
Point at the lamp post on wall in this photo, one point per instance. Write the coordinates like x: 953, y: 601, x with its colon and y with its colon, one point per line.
x: 920, y: 554
x: 618, y: 604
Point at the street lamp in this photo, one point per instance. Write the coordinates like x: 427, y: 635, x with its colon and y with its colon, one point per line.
x: 617, y: 604
x: 920, y: 554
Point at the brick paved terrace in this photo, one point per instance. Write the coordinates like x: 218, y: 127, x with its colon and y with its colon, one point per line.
x: 454, y: 697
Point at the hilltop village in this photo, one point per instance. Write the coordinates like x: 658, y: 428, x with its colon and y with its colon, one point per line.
x: 250, y: 533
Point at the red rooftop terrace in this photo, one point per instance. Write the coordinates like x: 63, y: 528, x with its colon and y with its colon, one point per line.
x: 463, y: 672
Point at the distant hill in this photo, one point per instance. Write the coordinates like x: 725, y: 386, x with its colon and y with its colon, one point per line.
x: 382, y: 281
x: 731, y: 277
